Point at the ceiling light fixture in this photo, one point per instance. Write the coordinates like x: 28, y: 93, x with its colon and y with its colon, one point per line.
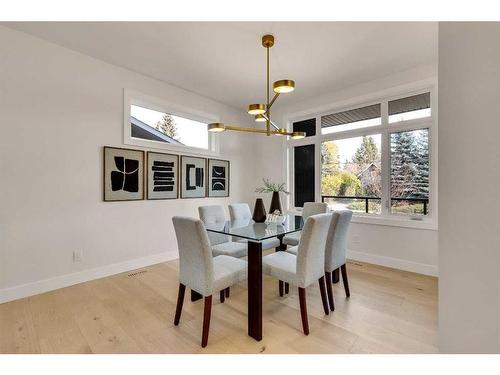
x: 262, y: 112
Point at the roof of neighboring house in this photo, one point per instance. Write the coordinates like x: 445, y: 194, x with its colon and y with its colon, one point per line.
x: 142, y: 130
x: 368, y: 167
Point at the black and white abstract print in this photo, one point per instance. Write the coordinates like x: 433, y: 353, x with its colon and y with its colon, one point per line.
x: 162, y: 176
x: 123, y: 174
x: 193, y: 171
x: 218, y: 181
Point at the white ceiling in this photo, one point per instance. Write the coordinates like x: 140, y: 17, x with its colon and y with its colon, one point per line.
x: 226, y: 62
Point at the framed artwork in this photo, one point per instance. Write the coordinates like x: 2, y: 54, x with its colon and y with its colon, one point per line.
x: 218, y: 178
x: 193, y: 171
x: 123, y: 174
x: 163, y: 176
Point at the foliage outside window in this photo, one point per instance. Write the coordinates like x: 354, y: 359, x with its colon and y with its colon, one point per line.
x: 351, y: 171
x: 410, y: 172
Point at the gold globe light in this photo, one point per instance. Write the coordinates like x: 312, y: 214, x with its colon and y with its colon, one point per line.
x: 283, y: 86
x: 298, y: 135
x: 216, y: 127
x: 260, y: 118
x: 256, y: 109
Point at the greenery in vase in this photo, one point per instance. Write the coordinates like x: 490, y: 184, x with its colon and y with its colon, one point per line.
x: 270, y: 187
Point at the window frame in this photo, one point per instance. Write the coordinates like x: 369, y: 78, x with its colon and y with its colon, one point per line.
x: 131, y: 97
x: 384, y: 129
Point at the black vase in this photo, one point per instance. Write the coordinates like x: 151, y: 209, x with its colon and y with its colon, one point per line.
x: 259, y: 211
x: 275, y: 203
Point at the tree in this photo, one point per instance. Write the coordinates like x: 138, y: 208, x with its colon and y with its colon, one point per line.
x: 340, y: 183
x: 329, y: 158
x: 167, y: 126
x: 403, y: 165
x: 422, y: 161
x: 366, y: 153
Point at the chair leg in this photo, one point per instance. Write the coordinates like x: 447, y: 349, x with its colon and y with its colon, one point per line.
x: 303, y: 310
x: 281, y: 288
x: 287, y: 288
x: 322, y: 290
x: 227, y: 292
x: 222, y: 295
x: 180, y: 301
x: 329, y: 290
x: 206, y: 320
x: 343, y: 270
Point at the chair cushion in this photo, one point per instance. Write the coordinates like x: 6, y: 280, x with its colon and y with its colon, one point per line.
x: 292, y: 239
x: 233, y: 249
x: 282, y: 266
x: 270, y: 243
x: 293, y: 250
x: 228, y: 271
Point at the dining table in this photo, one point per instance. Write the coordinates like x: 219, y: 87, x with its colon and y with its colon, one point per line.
x: 254, y: 233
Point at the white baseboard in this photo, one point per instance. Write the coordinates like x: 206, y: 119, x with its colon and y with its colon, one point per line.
x: 42, y: 286
x: 400, y: 264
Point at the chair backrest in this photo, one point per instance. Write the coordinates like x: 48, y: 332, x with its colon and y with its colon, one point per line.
x: 313, y: 208
x: 196, y: 267
x: 336, y: 242
x: 311, y: 250
x: 240, y: 211
x: 213, y: 215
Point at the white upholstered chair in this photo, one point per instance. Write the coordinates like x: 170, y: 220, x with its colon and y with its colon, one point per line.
x: 305, y: 268
x: 200, y: 271
x: 241, y: 211
x: 310, y: 208
x: 335, y: 251
x: 221, y: 244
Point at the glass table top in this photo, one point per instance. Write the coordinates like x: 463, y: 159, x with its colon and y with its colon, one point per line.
x: 251, y: 230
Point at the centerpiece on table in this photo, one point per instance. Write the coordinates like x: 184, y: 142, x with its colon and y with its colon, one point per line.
x: 259, y: 214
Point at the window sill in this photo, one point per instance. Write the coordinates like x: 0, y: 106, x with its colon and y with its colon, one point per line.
x: 403, y: 222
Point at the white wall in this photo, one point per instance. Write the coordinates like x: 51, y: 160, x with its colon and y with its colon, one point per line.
x: 469, y: 167
x: 58, y: 109
x: 404, y: 248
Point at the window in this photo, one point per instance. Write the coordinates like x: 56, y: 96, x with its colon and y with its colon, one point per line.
x: 306, y: 126
x: 353, y: 119
x: 374, y: 159
x: 410, y: 172
x: 163, y: 127
x: 351, y: 173
x: 304, y: 186
x: 149, y: 122
x: 410, y: 108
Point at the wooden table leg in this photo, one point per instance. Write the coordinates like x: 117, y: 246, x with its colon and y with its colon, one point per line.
x: 335, y: 276
x: 255, y: 290
x: 195, y: 296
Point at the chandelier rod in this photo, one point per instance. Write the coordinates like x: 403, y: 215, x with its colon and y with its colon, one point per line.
x: 268, y: 107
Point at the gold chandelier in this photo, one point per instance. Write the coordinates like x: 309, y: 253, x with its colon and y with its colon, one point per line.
x: 262, y: 112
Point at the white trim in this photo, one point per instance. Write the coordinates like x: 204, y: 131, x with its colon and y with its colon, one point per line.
x: 42, y: 286
x: 400, y: 264
x: 134, y: 97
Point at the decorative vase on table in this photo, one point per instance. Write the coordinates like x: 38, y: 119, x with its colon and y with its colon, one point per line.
x: 275, y: 203
x: 259, y: 211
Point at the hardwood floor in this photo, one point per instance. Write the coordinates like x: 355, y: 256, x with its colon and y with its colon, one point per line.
x: 389, y: 311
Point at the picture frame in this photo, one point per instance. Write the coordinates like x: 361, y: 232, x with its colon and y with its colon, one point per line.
x: 162, y: 178
x: 193, y: 180
x: 123, y: 174
x: 218, y: 178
